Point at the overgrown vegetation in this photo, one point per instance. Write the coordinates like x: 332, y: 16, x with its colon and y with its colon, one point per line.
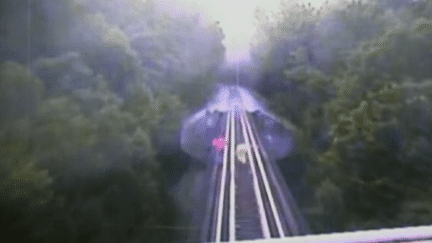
x: 90, y: 92
x: 355, y: 78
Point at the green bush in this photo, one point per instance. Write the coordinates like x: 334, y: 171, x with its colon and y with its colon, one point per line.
x: 356, y: 81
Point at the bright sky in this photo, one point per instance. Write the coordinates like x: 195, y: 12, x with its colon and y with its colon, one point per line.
x: 236, y: 20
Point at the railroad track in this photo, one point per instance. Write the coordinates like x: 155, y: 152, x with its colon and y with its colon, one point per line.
x: 248, y: 198
x: 243, y: 196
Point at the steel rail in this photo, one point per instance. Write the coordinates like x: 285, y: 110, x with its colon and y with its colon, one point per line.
x: 269, y: 221
x: 223, y: 178
x: 232, y: 182
x: 263, y: 217
x: 265, y: 179
x: 292, y: 225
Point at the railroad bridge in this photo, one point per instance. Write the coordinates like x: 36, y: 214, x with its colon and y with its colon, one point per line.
x: 244, y: 197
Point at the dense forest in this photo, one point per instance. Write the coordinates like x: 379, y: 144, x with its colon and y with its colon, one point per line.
x: 93, y: 95
x: 355, y: 78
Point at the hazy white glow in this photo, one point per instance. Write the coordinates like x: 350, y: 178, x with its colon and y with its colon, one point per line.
x: 231, y: 97
x: 236, y: 20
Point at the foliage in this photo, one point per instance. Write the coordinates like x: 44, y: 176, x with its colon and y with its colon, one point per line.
x: 104, y: 89
x: 355, y: 80
x: 24, y: 186
x: 20, y: 92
